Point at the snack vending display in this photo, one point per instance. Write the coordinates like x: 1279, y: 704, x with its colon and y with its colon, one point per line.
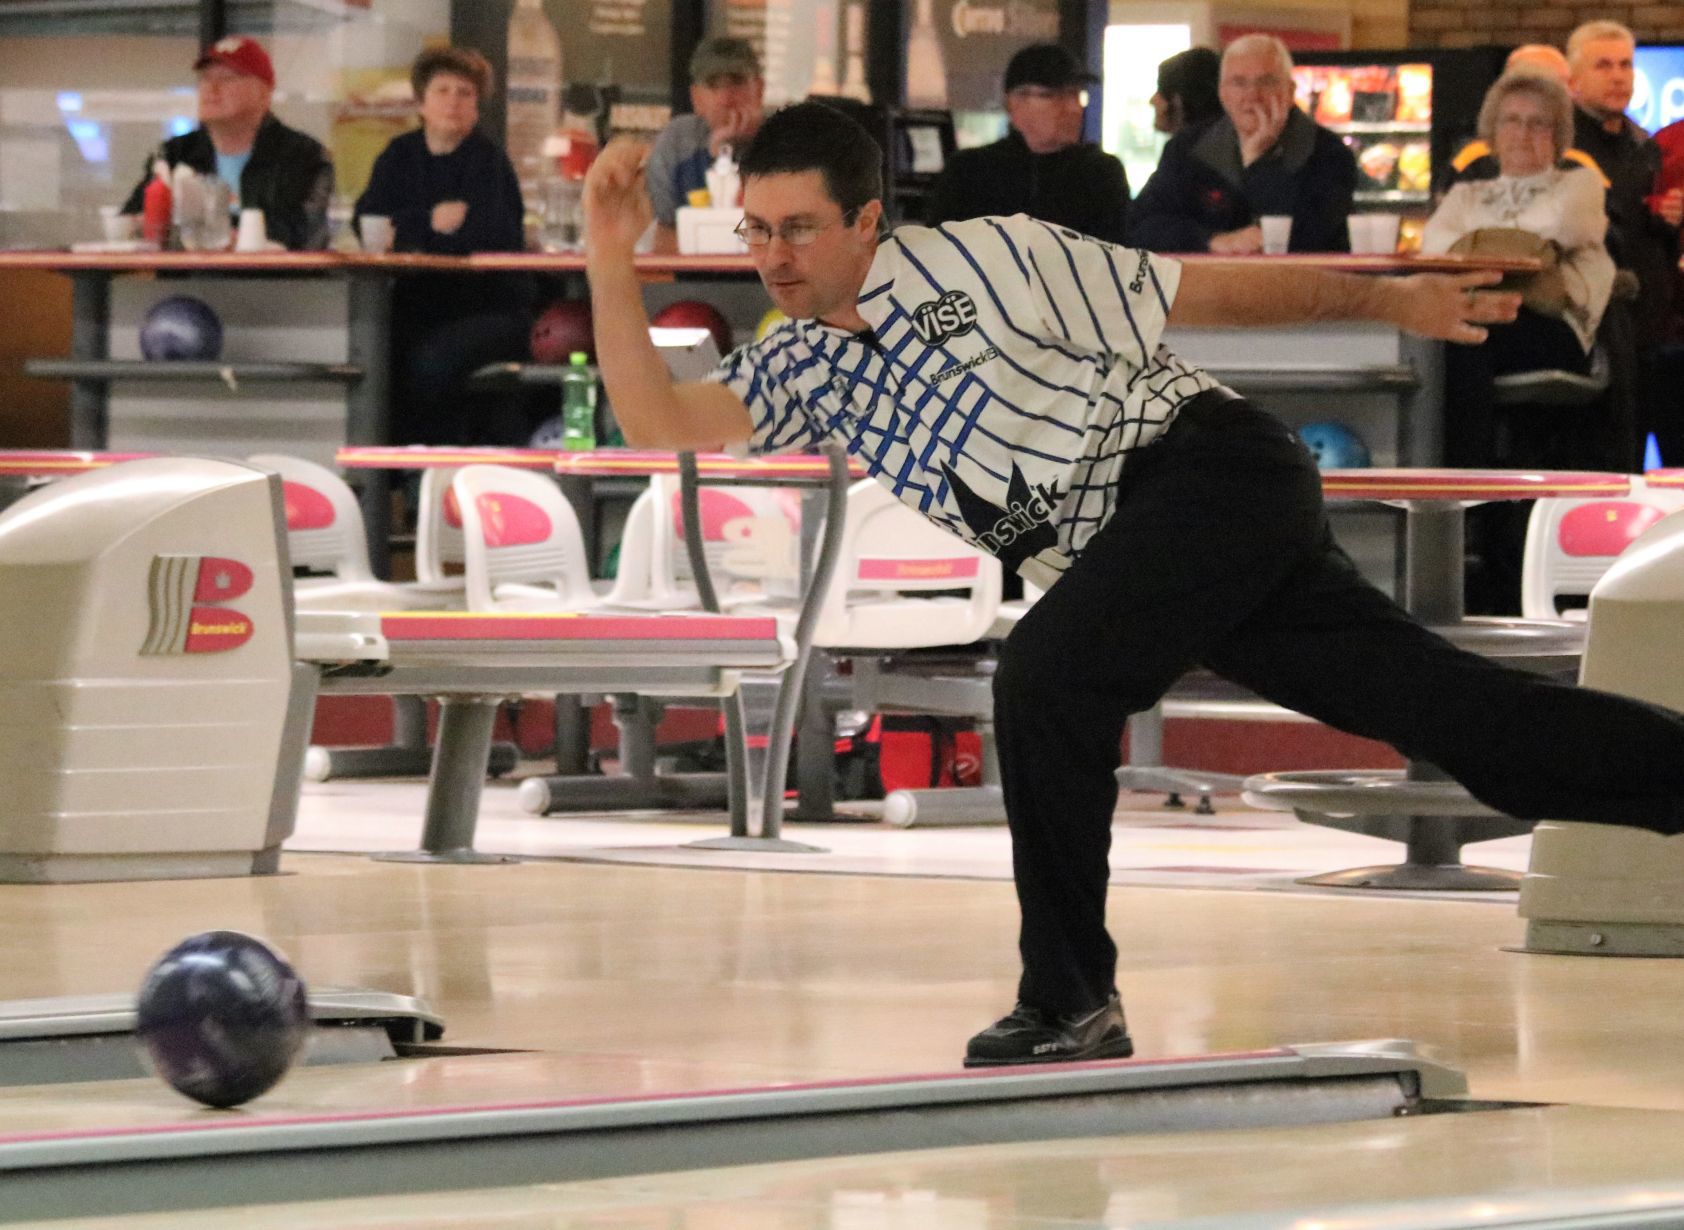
x: 1405, y: 115
x: 1385, y: 114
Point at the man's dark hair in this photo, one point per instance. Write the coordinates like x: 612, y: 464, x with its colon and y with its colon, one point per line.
x: 810, y: 136
x: 1193, y: 76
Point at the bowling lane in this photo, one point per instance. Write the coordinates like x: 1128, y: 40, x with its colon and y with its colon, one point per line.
x: 721, y: 978
x: 1472, y: 1168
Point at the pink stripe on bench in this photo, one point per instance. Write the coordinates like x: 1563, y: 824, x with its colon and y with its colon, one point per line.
x: 565, y: 626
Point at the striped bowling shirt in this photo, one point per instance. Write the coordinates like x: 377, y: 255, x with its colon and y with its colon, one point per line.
x: 1011, y: 368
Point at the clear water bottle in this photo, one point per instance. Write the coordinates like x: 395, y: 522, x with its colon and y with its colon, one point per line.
x: 533, y: 92
x: 578, y: 404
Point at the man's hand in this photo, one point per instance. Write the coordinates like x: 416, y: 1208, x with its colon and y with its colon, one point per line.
x: 448, y: 217
x: 1452, y: 307
x: 617, y: 208
x: 1668, y: 206
x: 1243, y: 242
x: 740, y: 124
x: 1260, y: 126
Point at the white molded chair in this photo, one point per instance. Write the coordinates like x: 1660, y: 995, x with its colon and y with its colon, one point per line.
x: 749, y: 538
x: 438, y: 534
x: 325, y: 533
x: 522, y: 544
x: 1571, y: 543
x: 895, y: 582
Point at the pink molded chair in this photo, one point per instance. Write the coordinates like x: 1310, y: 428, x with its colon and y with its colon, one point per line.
x: 1570, y: 544
x: 522, y: 545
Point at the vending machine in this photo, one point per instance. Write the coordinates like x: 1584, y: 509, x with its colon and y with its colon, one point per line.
x: 1405, y: 114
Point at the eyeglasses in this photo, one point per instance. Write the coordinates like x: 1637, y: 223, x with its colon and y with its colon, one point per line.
x: 795, y: 234
x: 1527, y: 123
x: 1041, y: 93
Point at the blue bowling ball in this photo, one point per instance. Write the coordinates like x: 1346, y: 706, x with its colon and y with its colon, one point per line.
x: 181, y: 327
x: 222, y: 1017
x: 1334, y: 446
x: 547, y: 434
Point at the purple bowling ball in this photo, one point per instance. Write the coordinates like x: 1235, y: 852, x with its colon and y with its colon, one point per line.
x: 181, y: 327
x: 222, y: 1017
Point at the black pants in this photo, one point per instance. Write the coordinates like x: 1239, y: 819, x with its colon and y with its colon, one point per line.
x: 1220, y: 553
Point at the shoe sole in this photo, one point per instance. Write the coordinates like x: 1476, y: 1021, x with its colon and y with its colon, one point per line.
x: 1112, y: 1048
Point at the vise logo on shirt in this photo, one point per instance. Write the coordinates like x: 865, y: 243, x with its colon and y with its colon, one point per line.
x: 952, y: 315
x: 186, y: 594
x: 1017, y: 532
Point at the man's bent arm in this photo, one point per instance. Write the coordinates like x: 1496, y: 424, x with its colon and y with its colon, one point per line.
x: 652, y: 410
x: 1261, y: 295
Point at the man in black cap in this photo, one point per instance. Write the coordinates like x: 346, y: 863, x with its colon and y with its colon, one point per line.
x: 1042, y: 167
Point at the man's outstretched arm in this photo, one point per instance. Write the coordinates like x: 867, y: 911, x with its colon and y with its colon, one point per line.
x: 1454, y: 307
x: 651, y: 410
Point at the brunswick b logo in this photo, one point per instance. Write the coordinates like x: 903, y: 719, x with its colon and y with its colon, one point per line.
x: 950, y: 316
x: 1020, y: 530
x: 186, y: 593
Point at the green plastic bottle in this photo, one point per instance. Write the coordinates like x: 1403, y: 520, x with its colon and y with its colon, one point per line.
x: 578, y: 404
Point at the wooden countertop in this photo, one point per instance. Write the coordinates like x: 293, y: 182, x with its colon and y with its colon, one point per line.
x: 656, y: 266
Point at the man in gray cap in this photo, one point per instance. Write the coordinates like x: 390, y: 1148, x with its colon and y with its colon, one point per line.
x: 726, y: 89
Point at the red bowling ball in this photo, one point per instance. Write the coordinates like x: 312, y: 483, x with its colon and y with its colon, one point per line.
x: 694, y: 314
x: 561, y: 329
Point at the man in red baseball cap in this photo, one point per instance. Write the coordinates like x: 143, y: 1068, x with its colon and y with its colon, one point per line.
x: 268, y: 166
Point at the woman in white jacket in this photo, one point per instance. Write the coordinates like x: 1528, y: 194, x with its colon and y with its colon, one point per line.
x: 1527, y: 120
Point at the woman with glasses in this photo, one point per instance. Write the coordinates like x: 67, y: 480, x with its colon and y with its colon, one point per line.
x: 1537, y: 198
x: 1527, y: 119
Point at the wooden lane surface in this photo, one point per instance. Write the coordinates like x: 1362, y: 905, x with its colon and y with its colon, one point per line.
x: 641, y: 979
x: 638, y: 980
x: 1488, y: 1163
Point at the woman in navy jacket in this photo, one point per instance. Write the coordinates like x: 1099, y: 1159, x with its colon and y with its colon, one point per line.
x: 449, y: 190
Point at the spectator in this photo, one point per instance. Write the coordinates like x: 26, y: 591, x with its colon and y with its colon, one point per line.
x: 265, y: 164
x: 1642, y: 227
x: 1475, y: 159
x: 1262, y: 156
x: 1186, y: 96
x: 1041, y: 167
x: 726, y: 93
x: 1527, y: 120
x: 449, y: 190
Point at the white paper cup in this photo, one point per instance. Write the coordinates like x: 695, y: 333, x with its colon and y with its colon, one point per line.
x: 1383, y: 233
x: 116, y: 225
x: 1277, y: 232
x: 253, y: 235
x: 376, y: 233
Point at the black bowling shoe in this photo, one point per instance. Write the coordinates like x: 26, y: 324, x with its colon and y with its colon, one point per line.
x: 1030, y: 1035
